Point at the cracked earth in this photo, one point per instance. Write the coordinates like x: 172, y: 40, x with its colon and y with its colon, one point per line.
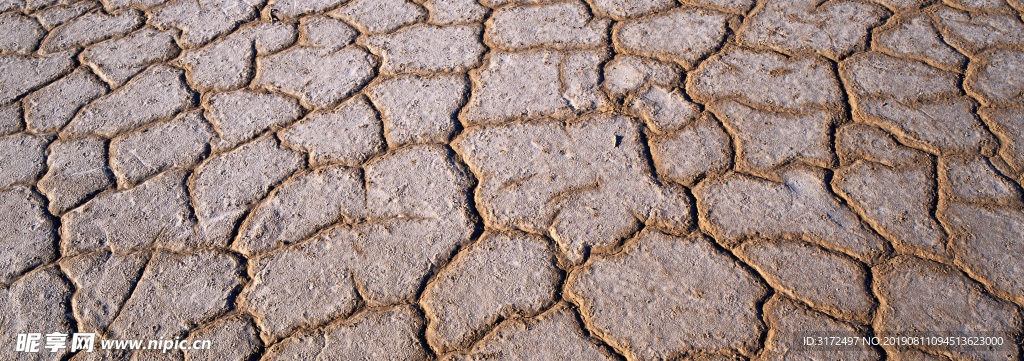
x: 511, y: 179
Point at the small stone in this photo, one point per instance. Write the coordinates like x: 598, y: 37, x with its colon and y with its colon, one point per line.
x: 348, y: 135
x: 227, y: 62
x: 37, y: 303
x: 326, y: 32
x: 994, y: 79
x: 202, y: 20
x: 833, y: 29
x: 684, y: 35
x: 449, y: 12
x: 584, y: 182
x: 767, y: 139
x: 157, y: 93
x: 117, y: 60
x: 380, y: 16
x: 665, y: 295
x: 974, y: 179
x: 915, y: 37
x: 49, y: 109
x: 897, y: 201
x: 177, y: 292
x: 859, y: 141
x: 428, y: 49
x: 23, y: 74
x: 692, y: 153
x: 236, y: 339
x: 103, y: 281
x: 26, y: 235
x: 24, y: 158
x: 77, y: 169
x: 738, y: 206
x: 291, y: 214
x: 179, y: 143
x: 304, y: 285
x: 554, y: 334
x: 788, y: 321
x: 920, y: 296
x: 21, y: 33
x: 766, y: 79
x: 566, y: 25
x: 664, y: 110
x: 989, y: 242
x: 320, y: 78
x: 91, y: 28
x: 296, y: 8
x: 500, y: 275
x: 972, y: 34
x: 528, y: 85
x: 154, y: 213
x: 621, y: 9
x: 1008, y: 126
x: 419, y: 110
x: 830, y: 283
x: 391, y: 333
x: 239, y: 116
x: 54, y: 16
x: 627, y: 73
x: 227, y: 185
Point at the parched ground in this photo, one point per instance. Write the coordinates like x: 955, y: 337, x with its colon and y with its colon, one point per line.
x: 512, y: 179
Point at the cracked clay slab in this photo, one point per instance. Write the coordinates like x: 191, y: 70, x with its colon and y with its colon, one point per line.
x: 27, y: 234
x: 911, y: 291
x: 375, y: 334
x: 319, y: 77
x: 227, y: 185
x: 532, y: 84
x: 585, y: 182
x: 831, y: 283
x: 683, y: 35
x: 37, y: 302
x: 738, y: 206
x: 832, y: 28
x: 189, y: 289
x: 664, y: 295
x: 427, y: 49
x: 555, y: 333
x: 563, y: 25
x: 483, y: 285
